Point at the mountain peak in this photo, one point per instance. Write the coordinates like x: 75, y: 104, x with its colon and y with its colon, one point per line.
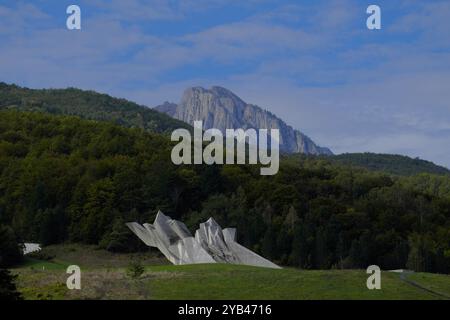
x: 222, y: 91
x: 217, y: 90
x: 215, y: 93
x: 168, y: 108
x: 220, y: 108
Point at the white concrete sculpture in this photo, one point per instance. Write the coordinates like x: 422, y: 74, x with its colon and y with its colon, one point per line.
x: 31, y: 247
x: 211, y: 244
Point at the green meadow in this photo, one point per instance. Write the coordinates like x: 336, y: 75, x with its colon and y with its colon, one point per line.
x: 104, y: 276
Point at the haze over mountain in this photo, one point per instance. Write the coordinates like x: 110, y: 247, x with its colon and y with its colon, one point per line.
x: 221, y: 109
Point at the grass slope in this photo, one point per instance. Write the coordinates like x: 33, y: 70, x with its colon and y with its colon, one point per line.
x: 243, y: 282
x: 104, y: 277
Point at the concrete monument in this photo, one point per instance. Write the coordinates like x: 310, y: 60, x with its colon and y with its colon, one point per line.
x: 211, y: 243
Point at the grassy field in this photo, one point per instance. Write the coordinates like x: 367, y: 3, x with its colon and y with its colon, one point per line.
x: 104, y: 277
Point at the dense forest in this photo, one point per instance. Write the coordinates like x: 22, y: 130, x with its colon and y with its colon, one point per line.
x: 66, y: 179
x: 390, y: 163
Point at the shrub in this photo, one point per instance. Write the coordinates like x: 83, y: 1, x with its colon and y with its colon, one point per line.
x: 135, y: 269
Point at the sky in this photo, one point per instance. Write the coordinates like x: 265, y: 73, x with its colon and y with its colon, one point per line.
x: 312, y: 63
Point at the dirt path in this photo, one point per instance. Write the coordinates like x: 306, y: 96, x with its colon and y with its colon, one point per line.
x: 403, y: 277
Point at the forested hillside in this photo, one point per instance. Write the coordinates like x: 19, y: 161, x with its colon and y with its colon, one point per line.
x: 390, y: 163
x: 88, y: 105
x: 67, y: 179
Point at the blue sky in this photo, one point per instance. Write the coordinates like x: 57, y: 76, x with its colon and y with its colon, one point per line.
x: 313, y: 63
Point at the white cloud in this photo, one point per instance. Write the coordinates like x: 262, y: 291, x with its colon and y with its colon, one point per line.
x: 14, y: 22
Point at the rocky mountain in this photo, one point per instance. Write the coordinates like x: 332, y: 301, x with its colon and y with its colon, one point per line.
x: 220, y: 108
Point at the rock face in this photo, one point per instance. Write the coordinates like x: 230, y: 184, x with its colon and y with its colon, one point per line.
x: 220, y: 108
x: 167, y: 108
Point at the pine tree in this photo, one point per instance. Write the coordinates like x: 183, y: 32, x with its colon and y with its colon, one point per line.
x: 10, y: 250
x: 8, y: 289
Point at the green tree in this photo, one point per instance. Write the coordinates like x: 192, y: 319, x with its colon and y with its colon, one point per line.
x: 8, y: 289
x: 10, y: 250
x: 120, y: 239
x: 98, y: 210
x: 269, y: 245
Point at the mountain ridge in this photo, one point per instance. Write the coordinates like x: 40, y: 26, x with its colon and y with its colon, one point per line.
x: 391, y: 163
x: 87, y: 104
